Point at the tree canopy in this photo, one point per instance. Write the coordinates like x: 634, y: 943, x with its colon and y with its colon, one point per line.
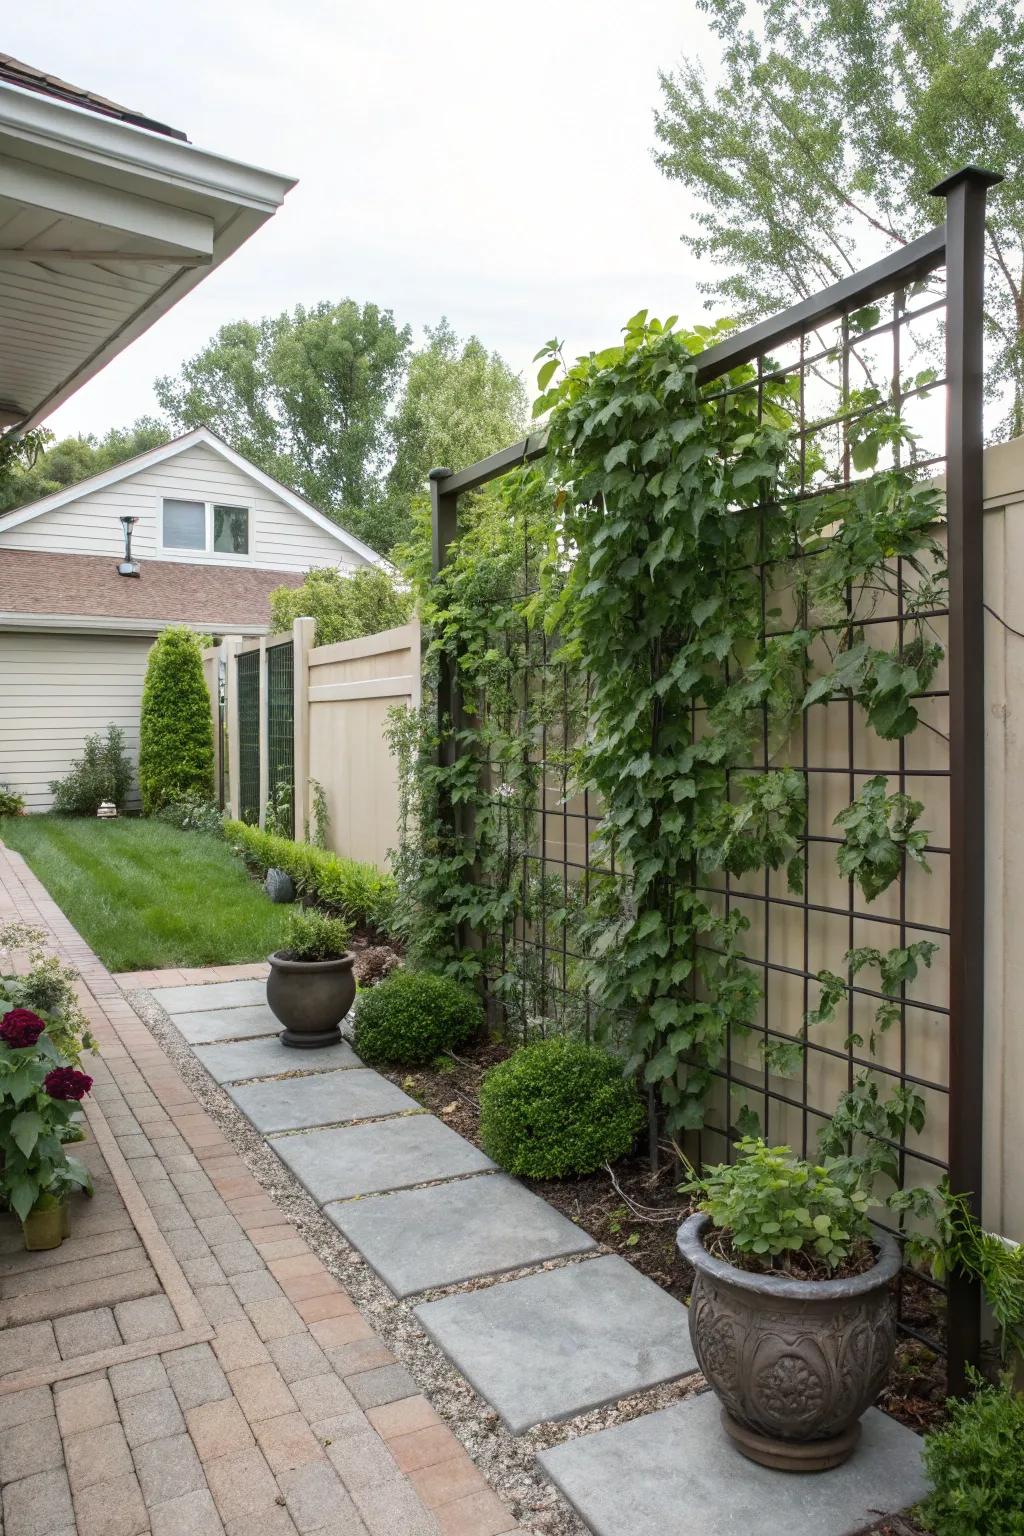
x: 344, y: 607
x: 829, y: 124
x: 37, y: 464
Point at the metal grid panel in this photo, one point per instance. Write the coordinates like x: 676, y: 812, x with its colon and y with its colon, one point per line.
x: 281, y: 731
x: 936, y: 1047
x: 248, y: 663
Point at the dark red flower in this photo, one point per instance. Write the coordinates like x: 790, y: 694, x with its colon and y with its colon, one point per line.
x: 21, y: 1027
x: 66, y: 1083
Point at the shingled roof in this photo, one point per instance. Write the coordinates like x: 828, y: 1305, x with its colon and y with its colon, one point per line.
x: 32, y: 79
x: 215, y: 597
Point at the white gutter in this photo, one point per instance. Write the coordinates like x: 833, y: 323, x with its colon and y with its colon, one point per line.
x: 64, y: 623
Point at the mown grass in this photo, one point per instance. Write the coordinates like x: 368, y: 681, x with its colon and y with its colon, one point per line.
x: 145, y: 895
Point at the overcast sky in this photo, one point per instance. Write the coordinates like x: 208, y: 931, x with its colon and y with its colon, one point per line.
x: 488, y: 162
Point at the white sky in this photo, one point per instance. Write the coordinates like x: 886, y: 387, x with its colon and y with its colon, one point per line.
x: 489, y: 162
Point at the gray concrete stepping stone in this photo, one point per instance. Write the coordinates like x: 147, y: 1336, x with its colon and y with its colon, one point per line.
x: 324, y: 1098
x: 214, y: 994
x: 267, y: 1057
x: 676, y: 1473
x: 422, y: 1238
x: 557, y: 1344
x: 388, y: 1154
x: 227, y: 1024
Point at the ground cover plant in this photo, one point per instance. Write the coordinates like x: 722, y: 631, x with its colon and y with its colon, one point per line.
x: 145, y: 895
x: 976, y: 1463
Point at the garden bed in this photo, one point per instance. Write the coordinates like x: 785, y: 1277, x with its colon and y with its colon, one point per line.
x: 636, y: 1214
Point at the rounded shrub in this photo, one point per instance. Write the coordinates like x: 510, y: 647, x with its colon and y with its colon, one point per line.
x: 176, y: 728
x: 412, y: 1016
x: 556, y: 1108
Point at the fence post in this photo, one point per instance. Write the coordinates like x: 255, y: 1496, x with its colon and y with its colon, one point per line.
x: 444, y: 529
x: 264, y: 735
x: 965, y: 193
x: 303, y: 635
x: 229, y: 647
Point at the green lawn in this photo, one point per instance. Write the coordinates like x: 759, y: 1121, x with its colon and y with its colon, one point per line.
x: 145, y: 895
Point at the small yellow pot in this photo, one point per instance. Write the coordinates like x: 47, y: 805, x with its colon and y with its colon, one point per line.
x: 45, y: 1229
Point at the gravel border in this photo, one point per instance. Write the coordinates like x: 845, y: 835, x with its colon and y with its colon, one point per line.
x: 507, y: 1461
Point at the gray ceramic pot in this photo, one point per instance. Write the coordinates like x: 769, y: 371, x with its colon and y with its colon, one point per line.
x: 794, y: 1362
x: 310, y: 997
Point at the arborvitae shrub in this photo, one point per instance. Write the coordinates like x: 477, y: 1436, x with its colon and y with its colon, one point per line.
x: 413, y: 1016
x: 176, y: 729
x: 557, y: 1108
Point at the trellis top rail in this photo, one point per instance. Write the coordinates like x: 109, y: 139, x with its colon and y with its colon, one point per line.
x: 909, y: 264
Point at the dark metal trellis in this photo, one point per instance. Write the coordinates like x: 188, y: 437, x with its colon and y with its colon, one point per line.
x: 248, y: 664
x: 566, y: 824
x: 281, y: 730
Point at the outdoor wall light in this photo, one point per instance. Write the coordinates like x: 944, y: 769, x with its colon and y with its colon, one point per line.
x: 127, y: 566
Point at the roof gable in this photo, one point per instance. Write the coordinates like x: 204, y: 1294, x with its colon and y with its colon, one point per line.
x: 154, y: 456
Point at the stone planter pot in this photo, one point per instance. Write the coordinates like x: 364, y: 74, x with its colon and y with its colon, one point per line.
x: 310, y: 997
x: 46, y: 1228
x: 794, y: 1363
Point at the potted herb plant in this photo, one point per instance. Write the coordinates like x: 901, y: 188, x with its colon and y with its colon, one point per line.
x: 311, y: 985
x: 792, y: 1315
x: 38, y: 1096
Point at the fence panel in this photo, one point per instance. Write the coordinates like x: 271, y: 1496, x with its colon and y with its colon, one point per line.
x: 352, y: 688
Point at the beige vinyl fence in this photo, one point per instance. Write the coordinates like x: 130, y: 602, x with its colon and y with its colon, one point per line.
x: 286, y: 711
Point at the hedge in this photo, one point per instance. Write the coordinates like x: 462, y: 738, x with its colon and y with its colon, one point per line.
x: 361, y: 893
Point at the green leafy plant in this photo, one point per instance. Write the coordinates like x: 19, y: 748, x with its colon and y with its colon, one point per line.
x: 176, y: 728
x: 278, y: 818
x: 558, y: 1107
x: 38, y: 1097
x: 763, y: 830
x: 411, y: 1017
x: 975, y: 1465
x: 320, y: 836
x: 11, y: 803
x: 343, y: 606
x: 103, y: 772
x: 49, y: 989
x: 193, y: 814
x: 772, y: 1210
x: 360, y: 893
x: 878, y: 834
x: 897, y: 968
x: 314, y: 935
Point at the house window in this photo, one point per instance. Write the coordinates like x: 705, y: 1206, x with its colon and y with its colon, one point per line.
x: 184, y: 525
x: 205, y: 527
x: 231, y: 530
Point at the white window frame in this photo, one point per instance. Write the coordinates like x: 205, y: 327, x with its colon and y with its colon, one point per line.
x: 208, y: 554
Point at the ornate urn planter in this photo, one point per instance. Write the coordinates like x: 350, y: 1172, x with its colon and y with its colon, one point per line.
x: 310, y: 998
x: 794, y: 1363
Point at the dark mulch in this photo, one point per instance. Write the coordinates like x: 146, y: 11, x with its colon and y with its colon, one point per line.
x: 636, y: 1213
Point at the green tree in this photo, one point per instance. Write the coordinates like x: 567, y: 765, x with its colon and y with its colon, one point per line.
x: 305, y: 395
x: 344, y: 607
x: 460, y: 403
x: 37, y: 465
x: 816, y: 149
x: 176, y: 728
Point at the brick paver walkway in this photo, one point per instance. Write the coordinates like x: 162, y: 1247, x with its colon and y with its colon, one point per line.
x: 281, y: 1412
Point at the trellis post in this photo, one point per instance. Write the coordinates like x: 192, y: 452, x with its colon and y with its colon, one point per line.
x: 965, y: 193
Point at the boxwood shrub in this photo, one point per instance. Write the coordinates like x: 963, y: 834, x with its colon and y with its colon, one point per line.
x: 361, y: 893
x: 412, y: 1016
x: 557, y: 1108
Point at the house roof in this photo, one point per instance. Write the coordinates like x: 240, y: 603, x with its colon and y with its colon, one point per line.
x: 34, y: 79
x: 107, y: 219
x: 198, y: 436
x: 37, y: 586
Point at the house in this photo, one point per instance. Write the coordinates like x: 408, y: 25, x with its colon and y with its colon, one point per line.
x: 212, y: 537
